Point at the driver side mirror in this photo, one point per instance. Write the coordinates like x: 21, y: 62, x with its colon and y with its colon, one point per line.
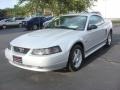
x: 90, y: 27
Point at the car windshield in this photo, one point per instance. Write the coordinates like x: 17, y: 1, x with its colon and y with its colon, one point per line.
x: 69, y: 22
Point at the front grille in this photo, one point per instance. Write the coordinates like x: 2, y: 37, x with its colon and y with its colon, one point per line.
x: 21, y: 50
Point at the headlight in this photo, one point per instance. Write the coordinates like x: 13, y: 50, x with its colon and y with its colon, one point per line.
x: 9, y: 46
x: 47, y: 51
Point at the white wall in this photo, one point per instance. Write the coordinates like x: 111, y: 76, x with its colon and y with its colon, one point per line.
x: 108, y: 8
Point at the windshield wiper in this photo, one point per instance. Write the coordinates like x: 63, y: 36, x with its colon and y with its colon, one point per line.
x: 64, y: 27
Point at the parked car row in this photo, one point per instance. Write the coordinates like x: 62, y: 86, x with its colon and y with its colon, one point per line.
x: 36, y: 22
x: 1, y: 18
x: 32, y: 23
x: 11, y: 22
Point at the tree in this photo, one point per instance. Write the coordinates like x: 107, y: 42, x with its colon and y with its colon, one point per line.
x: 57, y: 6
x: 2, y: 13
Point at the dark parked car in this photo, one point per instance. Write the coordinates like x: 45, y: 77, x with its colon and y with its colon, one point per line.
x: 1, y: 18
x: 36, y: 22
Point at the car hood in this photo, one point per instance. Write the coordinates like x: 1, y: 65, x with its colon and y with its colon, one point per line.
x: 42, y: 38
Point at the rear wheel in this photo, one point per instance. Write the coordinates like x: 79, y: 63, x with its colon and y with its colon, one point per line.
x: 75, y: 58
x: 109, y: 39
x: 34, y: 27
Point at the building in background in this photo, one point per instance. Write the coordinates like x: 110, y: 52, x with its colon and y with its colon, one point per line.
x: 108, y: 8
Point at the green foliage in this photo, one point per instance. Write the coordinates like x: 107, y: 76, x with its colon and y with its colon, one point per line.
x: 13, y: 12
x: 58, y: 6
x: 6, y: 12
x: 2, y: 13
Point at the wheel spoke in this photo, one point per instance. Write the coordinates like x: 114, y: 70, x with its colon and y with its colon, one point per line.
x: 77, y: 58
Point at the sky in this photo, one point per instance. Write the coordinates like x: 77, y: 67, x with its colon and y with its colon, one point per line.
x: 108, y: 8
x: 7, y: 3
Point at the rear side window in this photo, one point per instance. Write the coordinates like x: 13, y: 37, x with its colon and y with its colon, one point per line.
x: 96, y: 20
x: 37, y: 19
x: 19, y: 18
x: 34, y: 19
x: 47, y: 18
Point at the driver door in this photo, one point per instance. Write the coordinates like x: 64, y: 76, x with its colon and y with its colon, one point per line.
x: 95, y: 37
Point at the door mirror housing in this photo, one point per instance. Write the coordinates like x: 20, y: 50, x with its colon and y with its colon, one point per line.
x: 90, y: 27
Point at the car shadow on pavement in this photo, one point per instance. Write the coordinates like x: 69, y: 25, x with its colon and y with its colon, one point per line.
x: 95, y: 55
x: 90, y: 58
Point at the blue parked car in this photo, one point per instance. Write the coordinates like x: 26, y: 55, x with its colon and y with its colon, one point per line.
x: 36, y: 22
x: 1, y: 18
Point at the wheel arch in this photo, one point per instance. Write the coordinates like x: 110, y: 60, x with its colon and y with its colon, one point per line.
x: 111, y: 30
x: 79, y: 43
x: 76, y: 43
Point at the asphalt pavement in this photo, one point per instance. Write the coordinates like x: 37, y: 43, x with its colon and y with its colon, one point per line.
x: 100, y: 71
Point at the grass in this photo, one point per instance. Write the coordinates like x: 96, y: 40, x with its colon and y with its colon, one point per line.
x: 116, y: 21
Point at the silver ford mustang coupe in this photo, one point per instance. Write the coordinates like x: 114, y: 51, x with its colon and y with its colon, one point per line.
x: 65, y: 42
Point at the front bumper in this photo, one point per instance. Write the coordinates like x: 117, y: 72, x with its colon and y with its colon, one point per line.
x: 38, y: 63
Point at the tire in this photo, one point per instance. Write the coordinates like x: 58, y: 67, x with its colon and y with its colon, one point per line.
x: 20, y: 25
x: 34, y: 27
x: 1, y: 28
x: 4, y: 26
x: 109, y: 40
x: 75, y: 58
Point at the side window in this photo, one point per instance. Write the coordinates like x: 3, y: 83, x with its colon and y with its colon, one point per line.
x: 9, y: 20
x: 19, y: 18
x: 96, y: 20
x: 36, y: 19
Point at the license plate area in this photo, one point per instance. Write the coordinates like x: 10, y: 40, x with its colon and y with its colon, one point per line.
x: 17, y: 59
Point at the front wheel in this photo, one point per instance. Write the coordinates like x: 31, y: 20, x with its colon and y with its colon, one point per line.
x: 4, y: 26
x: 75, y: 58
x: 20, y: 25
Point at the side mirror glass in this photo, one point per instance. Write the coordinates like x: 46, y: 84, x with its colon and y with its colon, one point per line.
x: 90, y: 27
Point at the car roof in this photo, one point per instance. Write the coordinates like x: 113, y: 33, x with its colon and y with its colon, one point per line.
x: 38, y: 17
x: 83, y: 14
